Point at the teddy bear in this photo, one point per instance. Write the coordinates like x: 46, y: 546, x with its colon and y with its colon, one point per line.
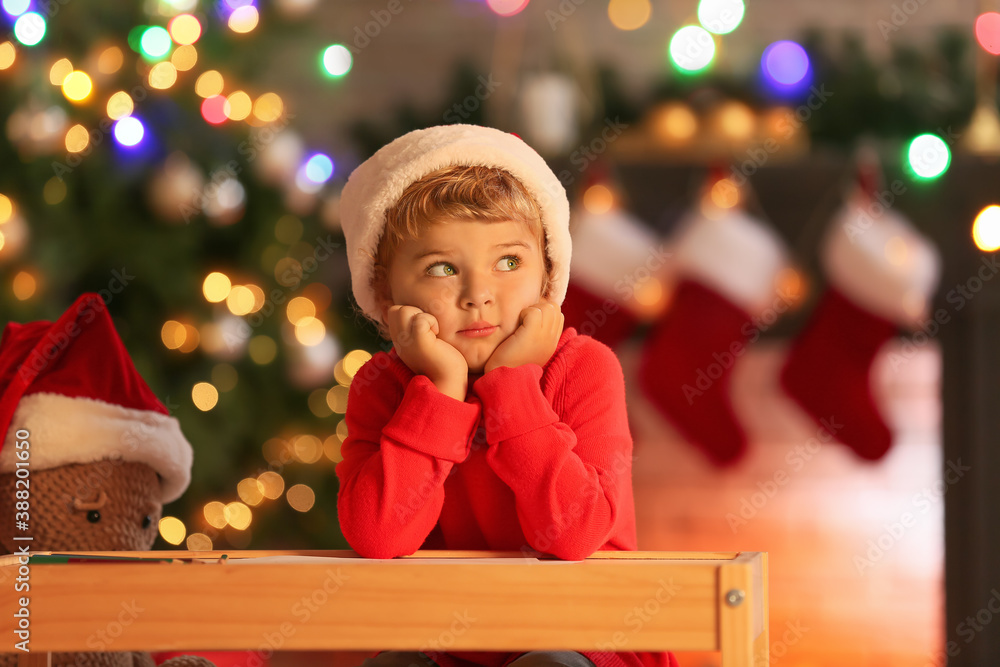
x: 103, y: 453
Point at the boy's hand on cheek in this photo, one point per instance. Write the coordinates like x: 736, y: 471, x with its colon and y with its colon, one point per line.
x: 414, y: 335
x: 534, y: 341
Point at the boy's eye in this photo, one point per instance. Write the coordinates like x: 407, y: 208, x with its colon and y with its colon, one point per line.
x: 438, y: 275
x: 504, y: 262
x: 511, y: 258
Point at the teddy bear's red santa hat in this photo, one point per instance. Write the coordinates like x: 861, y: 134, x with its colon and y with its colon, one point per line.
x: 71, y: 385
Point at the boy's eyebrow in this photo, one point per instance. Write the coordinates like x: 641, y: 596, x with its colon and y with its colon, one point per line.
x: 428, y: 253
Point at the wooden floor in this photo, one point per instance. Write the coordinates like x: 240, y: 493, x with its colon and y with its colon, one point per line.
x: 827, y: 608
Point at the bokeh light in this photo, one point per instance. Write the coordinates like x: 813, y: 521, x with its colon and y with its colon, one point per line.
x: 298, y: 308
x: 54, y: 191
x: 120, y: 105
x: 198, y: 542
x: 216, y: 287
x: 8, y: 54
x: 337, y: 60
x: 262, y: 350
x: 506, y: 7
x: 204, y: 396
x: 319, y: 168
x: 988, y: 32
x: 215, y: 514
x: 598, y: 199
x: 162, y: 76
x: 692, y: 49
x: 354, y: 360
x: 191, y: 339
x: 249, y: 491
x: 110, y: 60
x: 173, y: 334
x: 238, y: 515
x: 721, y: 16
x: 29, y: 29
x: 332, y: 445
x: 184, y: 29
x: 986, y: 229
x: 172, y: 530
x: 215, y: 109
x: 271, y: 484
x: 268, y: 107
x: 629, y: 14
x: 77, y: 139
x: 309, y: 331
x: 240, y: 300
x: 336, y: 399
x: 24, y: 285
x: 785, y: 64
x: 155, y: 42
x: 243, y: 19
x: 184, y: 58
x: 301, y: 497
x: 307, y: 448
x: 6, y: 208
x: 240, y: 105
x: 209, y: 84
x: 16, y: 7
x: 59, y: 71
x: 736, y: 121
x: 674, y: 122
x: 928, y: 156
x: 77, y: 86
x: 129, y: 131
x: 724, y: 193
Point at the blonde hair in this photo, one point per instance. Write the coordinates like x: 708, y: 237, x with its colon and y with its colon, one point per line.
x: 466, y: 193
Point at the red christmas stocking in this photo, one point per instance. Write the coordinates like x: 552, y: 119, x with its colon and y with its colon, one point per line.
x: 827, y: 373
x: 686, y: 365
x: 882, y: 274
x: 594, y: 316
x: 727, y: 266
x: 614, y: 254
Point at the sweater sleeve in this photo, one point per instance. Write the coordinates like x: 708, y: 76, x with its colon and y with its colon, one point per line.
x: 396, y: 457
x: 571, y: 475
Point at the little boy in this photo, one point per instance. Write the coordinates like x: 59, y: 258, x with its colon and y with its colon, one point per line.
x: 487, y: 426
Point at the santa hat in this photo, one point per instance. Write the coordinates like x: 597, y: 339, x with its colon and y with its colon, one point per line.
x: 71, y: 385
x: 376, y: 185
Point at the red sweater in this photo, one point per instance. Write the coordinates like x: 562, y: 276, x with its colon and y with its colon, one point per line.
x: 534, y: 458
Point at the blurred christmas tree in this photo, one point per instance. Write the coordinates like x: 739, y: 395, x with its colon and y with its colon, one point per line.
x: 141, y: 163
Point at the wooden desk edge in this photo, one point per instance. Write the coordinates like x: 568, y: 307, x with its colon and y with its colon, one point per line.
x: 735, y: 556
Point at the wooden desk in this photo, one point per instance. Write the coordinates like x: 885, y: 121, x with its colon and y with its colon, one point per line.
x: 430, y: 601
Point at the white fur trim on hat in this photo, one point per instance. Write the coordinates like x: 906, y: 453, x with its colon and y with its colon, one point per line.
x: 613, y: 250
x: 881, y: 262
x: 64, y: 430
x: 734, y: 254
x: 377, y: 184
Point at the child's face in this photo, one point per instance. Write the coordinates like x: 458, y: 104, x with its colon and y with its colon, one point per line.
x: 473, y: 279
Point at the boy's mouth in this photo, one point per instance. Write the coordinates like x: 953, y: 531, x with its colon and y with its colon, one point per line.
x: 480, y: 332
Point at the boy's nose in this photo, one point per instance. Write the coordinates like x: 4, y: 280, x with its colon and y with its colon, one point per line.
x: 477, y: 291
